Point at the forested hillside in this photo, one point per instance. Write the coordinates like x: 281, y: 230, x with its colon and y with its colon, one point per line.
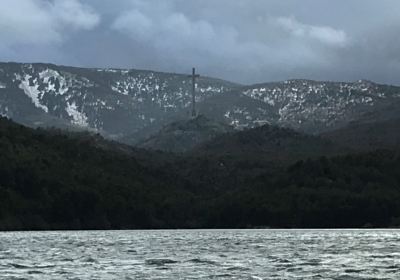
x: 53, y: 180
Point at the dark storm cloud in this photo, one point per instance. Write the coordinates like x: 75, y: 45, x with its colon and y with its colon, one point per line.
x: 243, y: 40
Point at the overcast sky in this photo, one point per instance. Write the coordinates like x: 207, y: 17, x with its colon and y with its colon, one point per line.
x: 246, y: 41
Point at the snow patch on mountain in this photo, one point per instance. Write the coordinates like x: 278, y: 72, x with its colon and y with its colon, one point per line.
x: 78, y: 118
x: 54, y: 81
x: 301, y: 101
x: 31, y: 90
x: 239, y: 117
x: 4, y: 111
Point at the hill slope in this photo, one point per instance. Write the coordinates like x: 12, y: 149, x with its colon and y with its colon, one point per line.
x: 51, y: 180
x: 367, y: 136
x: 314, y: 106
x: 269, y: 143
x: 182, y: 136
x: 120, y: 102
x: 114, y: 102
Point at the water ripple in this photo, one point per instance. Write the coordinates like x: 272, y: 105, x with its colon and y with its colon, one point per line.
x: 202, y: 254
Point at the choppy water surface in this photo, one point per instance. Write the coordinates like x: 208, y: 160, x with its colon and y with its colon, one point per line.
x: 219, y: 254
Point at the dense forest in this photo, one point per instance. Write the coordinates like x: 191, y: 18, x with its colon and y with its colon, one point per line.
x: 50, y: 179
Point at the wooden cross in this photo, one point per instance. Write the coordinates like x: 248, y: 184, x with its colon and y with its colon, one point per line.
x: 194, y: 76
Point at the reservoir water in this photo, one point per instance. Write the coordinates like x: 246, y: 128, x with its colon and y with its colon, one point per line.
x: 201, y: 254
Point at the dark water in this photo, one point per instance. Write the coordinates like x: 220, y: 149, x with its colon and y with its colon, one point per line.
x: 202, y: 254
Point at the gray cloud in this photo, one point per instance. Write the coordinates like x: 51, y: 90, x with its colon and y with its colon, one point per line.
x: 324, y: 34
x: 243, y: 40
x: 39, y: 22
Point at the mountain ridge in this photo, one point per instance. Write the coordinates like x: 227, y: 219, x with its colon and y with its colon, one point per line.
x: 111, y: 101
x: 126, y: 102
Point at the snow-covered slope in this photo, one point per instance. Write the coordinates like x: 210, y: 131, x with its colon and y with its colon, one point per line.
x: 112, y: 101
x: 313, y: 106
x: 124, y: 103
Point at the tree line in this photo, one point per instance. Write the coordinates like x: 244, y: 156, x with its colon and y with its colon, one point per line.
x: 51, y: 179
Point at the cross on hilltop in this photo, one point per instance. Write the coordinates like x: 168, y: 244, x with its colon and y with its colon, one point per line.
x: 194, y: 76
